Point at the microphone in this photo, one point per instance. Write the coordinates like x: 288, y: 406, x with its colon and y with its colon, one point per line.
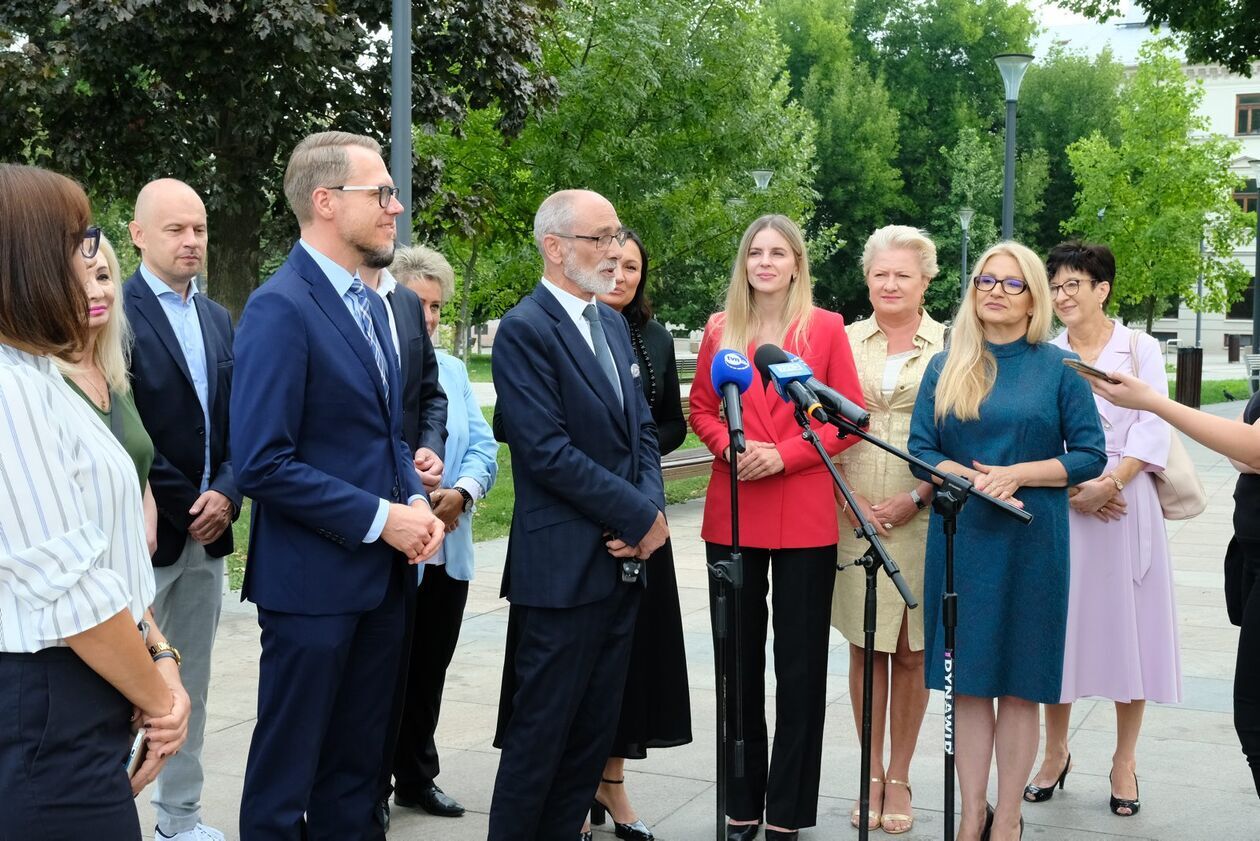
x: 731, y: 375
x: 796, y: 383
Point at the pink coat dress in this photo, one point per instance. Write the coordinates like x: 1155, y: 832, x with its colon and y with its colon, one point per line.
x: 1122, y: 617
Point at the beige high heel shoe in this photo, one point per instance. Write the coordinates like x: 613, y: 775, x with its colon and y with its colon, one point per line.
x: 908, y: 820
x: 874, y: 819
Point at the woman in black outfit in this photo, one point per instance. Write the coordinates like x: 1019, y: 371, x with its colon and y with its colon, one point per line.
x: 656, y: 707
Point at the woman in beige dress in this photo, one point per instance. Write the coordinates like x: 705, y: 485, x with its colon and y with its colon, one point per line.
x: 892, y: 349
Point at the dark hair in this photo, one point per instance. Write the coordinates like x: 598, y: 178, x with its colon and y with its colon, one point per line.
x: 1092, y: 258
x: 43, y: 217
x: 639, y: 311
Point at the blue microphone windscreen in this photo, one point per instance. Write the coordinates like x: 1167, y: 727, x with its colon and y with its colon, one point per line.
x: 731, y: 366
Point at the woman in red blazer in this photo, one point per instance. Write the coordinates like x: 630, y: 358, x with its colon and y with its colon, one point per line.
x: 787, y: 522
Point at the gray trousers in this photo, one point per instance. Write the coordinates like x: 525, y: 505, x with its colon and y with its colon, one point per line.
x: 189, y: 596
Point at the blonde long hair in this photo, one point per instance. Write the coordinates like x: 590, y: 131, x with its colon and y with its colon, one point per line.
x: 112, y: 351
x: 970, y: 368
x: 740, y: 319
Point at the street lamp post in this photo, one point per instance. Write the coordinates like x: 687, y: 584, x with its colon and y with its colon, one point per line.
x: 400, y: 114
x: 964, y: 219
x: 1012, y: 67
x: 1255, y: 283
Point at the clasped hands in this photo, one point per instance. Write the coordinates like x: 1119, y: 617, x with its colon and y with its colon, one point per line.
x: 1098, y: 497
x: 999, y: 481
x: 415, y: 530
x: 653, y: 540
x: 166, y: 731
x: 759, y: 460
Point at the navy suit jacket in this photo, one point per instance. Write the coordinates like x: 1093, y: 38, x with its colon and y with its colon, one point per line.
x: 171, y: 413
x: 583, y: 467
x: 423, y: 401
x: 317, y: 445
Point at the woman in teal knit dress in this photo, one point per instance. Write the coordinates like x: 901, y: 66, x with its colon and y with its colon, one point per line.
x: 1000, y: 408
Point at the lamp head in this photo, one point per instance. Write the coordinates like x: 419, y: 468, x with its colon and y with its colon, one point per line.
x: 964, y: 217
x: 761, y: 177
x: 1012, y: 67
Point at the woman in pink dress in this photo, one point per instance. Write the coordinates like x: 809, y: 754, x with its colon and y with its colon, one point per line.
x: 1122, y: 619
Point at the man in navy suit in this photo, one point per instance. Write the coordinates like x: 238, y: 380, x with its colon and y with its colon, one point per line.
x: 339, y: 512
x: 589, y: 507
x: 181, y: 376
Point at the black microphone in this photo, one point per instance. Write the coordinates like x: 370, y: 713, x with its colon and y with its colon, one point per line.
x: 796, y: 383
x: 731, y: 375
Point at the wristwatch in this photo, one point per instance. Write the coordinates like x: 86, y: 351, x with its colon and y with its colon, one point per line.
x: 1113, y: 477
x: 918, y: 500
x: 161, y: 650
x: 468, y: 500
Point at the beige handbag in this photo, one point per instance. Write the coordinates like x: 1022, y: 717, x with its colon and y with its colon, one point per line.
x: 1181, y: 493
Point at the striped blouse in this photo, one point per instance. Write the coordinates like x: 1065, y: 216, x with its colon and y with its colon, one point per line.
x: 72, y: 544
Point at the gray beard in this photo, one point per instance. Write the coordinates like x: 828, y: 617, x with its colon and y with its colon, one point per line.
x: 592, y: 282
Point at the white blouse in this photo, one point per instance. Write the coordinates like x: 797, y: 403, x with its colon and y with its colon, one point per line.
x: 72, y: 542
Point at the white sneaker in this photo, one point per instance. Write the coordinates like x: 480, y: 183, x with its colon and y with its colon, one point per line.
x: 200, y: 832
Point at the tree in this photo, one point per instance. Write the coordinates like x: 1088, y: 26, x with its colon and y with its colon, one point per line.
x: 1216, y: 31
x: 857, y: 179
x: 1065, y: 97
x: 217, y: 92
x: 665, y: 106
x: 1154, y: 194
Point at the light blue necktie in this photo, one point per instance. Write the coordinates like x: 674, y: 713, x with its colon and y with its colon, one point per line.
x: 358, y: 295
x: 603, y: 354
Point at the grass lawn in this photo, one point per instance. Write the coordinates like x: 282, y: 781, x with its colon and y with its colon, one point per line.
x: 493, y: 516
x: 1214, y: 391
x: 479, y: 368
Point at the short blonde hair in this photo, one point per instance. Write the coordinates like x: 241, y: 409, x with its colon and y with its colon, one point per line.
x: 741, y: 321
x: 418, y: 262
x: 319, y: 160
x: 901, y: 237
x: 112, y: 351
x: 970, y: 368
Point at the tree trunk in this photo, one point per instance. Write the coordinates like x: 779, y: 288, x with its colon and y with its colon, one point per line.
x: 1150, y: 314
x: 235, y: 254
x: 470, y: 269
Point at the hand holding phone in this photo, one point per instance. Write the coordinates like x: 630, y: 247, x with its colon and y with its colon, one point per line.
x: 1090, y: 371
x: 136, y: 755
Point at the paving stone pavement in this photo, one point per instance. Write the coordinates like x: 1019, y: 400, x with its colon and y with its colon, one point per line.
x: 1194, y: 781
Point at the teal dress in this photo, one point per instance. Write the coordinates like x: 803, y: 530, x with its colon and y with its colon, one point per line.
x: 1011, y: 579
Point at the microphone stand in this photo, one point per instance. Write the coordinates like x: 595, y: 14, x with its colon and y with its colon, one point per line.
x: 947, y: 501
x: 729, y: 575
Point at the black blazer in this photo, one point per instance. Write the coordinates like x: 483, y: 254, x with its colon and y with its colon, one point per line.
x: 659, y: 375
x: 171, y: 413
x: 423, y: 401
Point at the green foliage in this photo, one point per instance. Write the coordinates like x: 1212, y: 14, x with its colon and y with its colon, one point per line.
x: 1161, y: 187
x: 1216, y: 31
x: 116, y: 92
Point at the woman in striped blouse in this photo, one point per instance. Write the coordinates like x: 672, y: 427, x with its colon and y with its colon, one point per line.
x: 76, y: 669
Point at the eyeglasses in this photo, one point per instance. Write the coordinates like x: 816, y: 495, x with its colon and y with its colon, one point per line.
x: 602, y: 241
x: 1069, y: 287
x: 384, y: 192
x: 91, y: 243
x: 1010, y: 285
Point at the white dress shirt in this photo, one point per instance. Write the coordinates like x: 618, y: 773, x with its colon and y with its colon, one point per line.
x: 72, y: 545
x: 574, y: 306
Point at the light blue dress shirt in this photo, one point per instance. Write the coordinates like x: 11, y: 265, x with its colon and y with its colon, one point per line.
x: 341, y: 280
x: 186, y: 324
x: 471, y: 461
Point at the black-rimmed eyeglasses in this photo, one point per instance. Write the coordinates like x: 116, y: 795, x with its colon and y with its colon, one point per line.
x: 602, y: 241
x: 91, y: 243
x: 384, y: 191
x: 1010, y: 285
x: 1069, y: 287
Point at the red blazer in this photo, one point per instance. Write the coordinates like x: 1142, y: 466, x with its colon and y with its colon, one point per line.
x: 794, y: 509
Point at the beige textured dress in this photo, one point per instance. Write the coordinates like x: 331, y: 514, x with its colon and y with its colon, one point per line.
x: 878, y: 475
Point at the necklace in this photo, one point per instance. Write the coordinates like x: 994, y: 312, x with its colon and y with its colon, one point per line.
x: 1095, y: 352
x: 99, y: 395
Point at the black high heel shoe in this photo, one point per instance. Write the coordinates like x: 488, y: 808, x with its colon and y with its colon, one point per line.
x: 782, y: 835
x: 742, y: 831
x: 988, y: 822
x: 1132, y: 805
x: 636, y: 831
x: 1037, y: 794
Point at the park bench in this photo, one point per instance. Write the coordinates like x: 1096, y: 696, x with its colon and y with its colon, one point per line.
x: 692, y: 461
x: 1252, y: 361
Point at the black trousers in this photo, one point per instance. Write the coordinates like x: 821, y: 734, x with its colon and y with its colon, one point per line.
x: 785, y: 783
x: 569, y: 669
x: 64, y: 737
x: 439, y: 612
x: 1247, y: 669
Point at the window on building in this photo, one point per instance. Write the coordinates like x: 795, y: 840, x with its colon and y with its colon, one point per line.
x: 1248, y: 197
x: 1242, y: 307
x: 1248, y: 119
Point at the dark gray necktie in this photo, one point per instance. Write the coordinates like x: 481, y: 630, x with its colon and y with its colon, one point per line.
x: 603, y: 355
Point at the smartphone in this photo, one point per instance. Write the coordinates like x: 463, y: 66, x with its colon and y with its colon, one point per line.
x: 1090, y: 371
x: 136, y: 755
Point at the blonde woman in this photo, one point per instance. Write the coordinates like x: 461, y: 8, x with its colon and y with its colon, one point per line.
x: 1000, y: 408
x: 788, y: 524
x: 892, y: 349
x: 99, y: 372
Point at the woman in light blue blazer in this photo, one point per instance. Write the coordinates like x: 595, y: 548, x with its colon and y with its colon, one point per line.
x: 471, y: 468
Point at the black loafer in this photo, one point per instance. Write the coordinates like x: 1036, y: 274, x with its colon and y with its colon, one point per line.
x: 742, y: 832
x: 432, y: 800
